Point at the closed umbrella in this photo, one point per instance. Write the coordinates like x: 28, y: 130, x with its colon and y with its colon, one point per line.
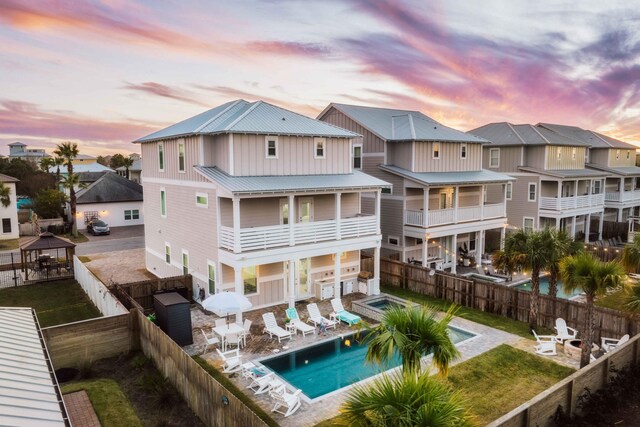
x: 225, y: 303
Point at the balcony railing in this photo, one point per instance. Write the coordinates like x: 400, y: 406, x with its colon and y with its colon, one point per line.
x: 449, y: 216
x: 273, y: 236
x: 564, y: 203
x: 616, y: 196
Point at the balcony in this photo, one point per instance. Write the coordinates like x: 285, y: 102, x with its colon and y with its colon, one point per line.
x: 624, y: 196
x: 448, y: 216
x: 566, y: 203
x: 274, y: 236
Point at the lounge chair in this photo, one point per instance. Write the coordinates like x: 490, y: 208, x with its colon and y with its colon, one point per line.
x: 316, y: 318
x: 608, y: 344
x: 263, y: 384
x: 292, y: 315
x: 208, y: 341
x: 341, y: 314
x: 271, y: 327
x: 564, y: 332
x: 284, y: 399
x: 546, y: 344
x: 232, y: 362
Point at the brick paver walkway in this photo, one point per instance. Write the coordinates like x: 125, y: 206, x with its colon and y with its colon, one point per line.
x: 80, y: 410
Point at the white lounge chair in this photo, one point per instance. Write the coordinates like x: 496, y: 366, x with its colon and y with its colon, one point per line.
x: 271, y: 327
x: 341, y: 314
x: 316, y: 318
x: 265, y: 383
x: 608, y: 344
x: 292, y: 314
x: 208, y: 341
x: 284, y: 399
x: 232, y: 360
x: 546, y: 344
x: 564, y: 332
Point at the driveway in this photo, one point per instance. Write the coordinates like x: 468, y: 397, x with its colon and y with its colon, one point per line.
x: 121, y: 238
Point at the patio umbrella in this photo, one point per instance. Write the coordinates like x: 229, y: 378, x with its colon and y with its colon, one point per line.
x: 225, y: 303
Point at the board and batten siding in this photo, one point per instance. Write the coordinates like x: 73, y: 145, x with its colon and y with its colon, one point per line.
x: 150, y: 163
x: 295, y: 156
x: 566, y: 160
x: 371, y: 142
x: 215, y: 149
x: 393, y: 214
x: 510, y: 158
x: 400, y: 154
x: 519, y: 206
x: 449, y: 160
x: 600, y: 156
x: 370, y: 165
x: 622, y: 161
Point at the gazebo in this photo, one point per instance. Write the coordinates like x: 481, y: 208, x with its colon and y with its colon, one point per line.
x: 47, y: 256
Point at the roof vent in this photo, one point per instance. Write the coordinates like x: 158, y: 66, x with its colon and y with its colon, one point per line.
x: 283, y: 119
x: 435, y: 127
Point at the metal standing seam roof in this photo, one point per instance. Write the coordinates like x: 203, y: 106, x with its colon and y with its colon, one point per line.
x: 402, y: 125
x: 135, y: 167
x: 82, y: 167
x: 565, y: 173
x: 507, y: 134
x: 7, y: 178
x: 621, y: 170
x: 594, y: 139
x: 29, y: 394
x: 249, y: 117
x: 290, y: 183
x: 444, y: 178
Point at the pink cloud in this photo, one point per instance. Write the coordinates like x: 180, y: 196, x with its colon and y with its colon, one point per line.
x: 164, y: 91
x: 287, y: 48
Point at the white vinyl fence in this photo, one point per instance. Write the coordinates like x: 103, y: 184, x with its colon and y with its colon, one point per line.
x: 96, y: 290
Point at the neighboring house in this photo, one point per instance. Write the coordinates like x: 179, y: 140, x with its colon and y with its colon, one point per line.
x: 111, y: 198
x: 9, y: 215
x: 135, y: 171
x: 83, y: 167
x: 19, y: 150
x: 442, y: 202
x: 618, y: 160
x: 257, y: 199
x: 84, y: 159
x: 553, y: 186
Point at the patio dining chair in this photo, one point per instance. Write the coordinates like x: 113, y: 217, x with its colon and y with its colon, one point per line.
x: 208, y: 341
x: 246, y: 332
x: 233, y: 340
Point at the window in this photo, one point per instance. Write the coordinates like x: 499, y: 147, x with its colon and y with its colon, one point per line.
x: 161, y: 156
x: 357, y: 156
x: 181, y: 165
x: 185, y: 262
x: 250, y: 280
x: 472, y: 241
x: 386, y: 190
x: 617, y: 154
x: 320, y: 147
x: 509, y: 191
x: 202, y: 200
x: 532, y: 191
x: 596, y: 187
x: 463, y: 151
x: 527, y: 224
x: 167, y: 253
x: 284, y: 211
x: 163, y: 203
x: 130, y: 214
x: 628, y: 154
x: 271, y: 143
x: 443, y: 200
x: 436, y: 151
x: 573, y: 153
x: 494, y: 157
x: 393, y: 240
x: 6, y: 225
x: 211, y: 276
x: 558, y: 153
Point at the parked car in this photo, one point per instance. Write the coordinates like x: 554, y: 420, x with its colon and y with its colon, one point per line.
x: 97, y: 227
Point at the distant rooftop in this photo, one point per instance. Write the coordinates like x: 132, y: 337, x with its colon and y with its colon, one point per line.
x: 506, y: 134
x: 445, y: 178
x: 594, y: 139
x: 88, y: 167
x: 135, y: 167
x: 84, y: 157
x: 110, y: 188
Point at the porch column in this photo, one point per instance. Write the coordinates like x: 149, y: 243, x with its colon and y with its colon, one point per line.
x: 479, y: 246
x: 600, y: 225
x: 455, y: 204
x: 292, y: 283
x: 239, y: 288
x: 503, y: 231
x: 620, y: 215
x: 483, y: 188
x: 454, y: 253
x: 504, y: 198
x: 336, y: 275
x: 559, y: 189
x: 338, y: 214
x: 376, y: 271
x: 377, y: 210
x: 573, y: 227
x: 292, y: 220
x: 236, y: 225
x: 425, y: 250
x: 425, y: 207
x: 587, y: 226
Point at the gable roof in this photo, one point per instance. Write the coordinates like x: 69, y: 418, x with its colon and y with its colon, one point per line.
x: 135, y: 167
x: 88, y: 177
x: 110, y: 188
x: 508, y: 134
x: 594, y: 139
x: 449, y: 178
x: 7, y: 178
x: 249, y: 117
x: 401, y: 125
x: 44, y: 241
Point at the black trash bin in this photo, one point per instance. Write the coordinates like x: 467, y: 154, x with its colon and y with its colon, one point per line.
x: 173, y: 316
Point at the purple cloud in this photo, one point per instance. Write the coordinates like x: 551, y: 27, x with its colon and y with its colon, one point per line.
x: 164, y: 91
x: 285, y: 48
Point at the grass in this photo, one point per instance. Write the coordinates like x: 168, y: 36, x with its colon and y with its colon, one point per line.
x: 9, y: 244
x: 80, y: 239
x: 84, y: 258
x: 55, y: 303
x: 489, y: 319
x: 111, y: 405
x: 501, y: 379
x: 229, y: 385
x: 615, y: 300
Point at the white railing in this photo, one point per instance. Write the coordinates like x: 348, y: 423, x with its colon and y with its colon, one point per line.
x: 564, y: 203
x: 441, y: 216
x: 412, y: 217
x: 256, y: 238
x: 469, y: 213
x: 448, y: 216
x: 494, y: 210
x: 616, y: 196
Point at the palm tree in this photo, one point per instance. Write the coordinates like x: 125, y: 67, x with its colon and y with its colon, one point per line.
x: 69, y: 151
x: 631, y: 255
x: 559, y: 244
x: 46, y: 163
x: 404, y: 400
x: 632, y: 298
x: 412, y: 333
x: 5, y: 195
x: 594, y: 278
x: 127, y: 163
x: 57, y: 162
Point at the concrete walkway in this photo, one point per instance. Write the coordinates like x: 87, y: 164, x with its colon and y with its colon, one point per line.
x: 80, y: 410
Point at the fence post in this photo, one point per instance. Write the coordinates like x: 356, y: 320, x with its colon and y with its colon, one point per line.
x: 15, y: 275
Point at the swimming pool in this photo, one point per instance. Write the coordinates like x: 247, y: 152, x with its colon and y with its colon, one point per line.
x: 334, y: 364
x: 383, y: 304
x: 544, y: 288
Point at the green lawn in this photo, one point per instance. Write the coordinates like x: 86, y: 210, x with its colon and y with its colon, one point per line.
x: 614, y: 300
x: 9, y: 244
x: 111, y: 405
x: 493, y: 320
x: 56, y: 303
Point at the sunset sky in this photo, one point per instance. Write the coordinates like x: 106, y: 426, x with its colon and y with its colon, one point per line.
x: 104, y: 73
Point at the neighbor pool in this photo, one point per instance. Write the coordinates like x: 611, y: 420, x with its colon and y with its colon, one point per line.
x: 383, y: 304
x: 332, y: 365
x: 544, y: 288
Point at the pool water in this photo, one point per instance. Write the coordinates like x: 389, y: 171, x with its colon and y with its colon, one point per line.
x: 544, y: 288
x: 332, y: 365
x: 383, y: 304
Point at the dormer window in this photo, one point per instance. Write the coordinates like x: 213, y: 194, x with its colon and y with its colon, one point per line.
x: 628, y: 154
x: 559, y: 153
x: 436, y: 151
x: 617, y: 154
x: 181, y: 160
x: 463, y: 151
x: 320, y: 146
x: 271, y: 147
x: 573, y: 153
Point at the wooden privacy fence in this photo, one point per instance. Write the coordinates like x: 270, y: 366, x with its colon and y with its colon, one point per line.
x: 139, y: 295
x: 604, y: 253
x: 611, y: 229
x: 501, y: 299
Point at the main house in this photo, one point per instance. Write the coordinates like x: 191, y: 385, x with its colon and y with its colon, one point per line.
x: 553, y: 186
x: 260, y: 200
x: 442, y: 203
